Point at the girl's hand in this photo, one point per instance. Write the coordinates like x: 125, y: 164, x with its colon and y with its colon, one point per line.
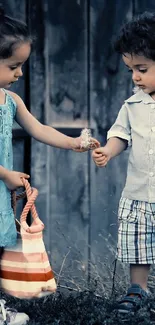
x: 101, y: 156
x: 13, y: 179
x: 76, y: 146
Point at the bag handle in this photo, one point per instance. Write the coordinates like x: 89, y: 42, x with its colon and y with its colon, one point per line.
x: 16, y: 197
x: 31, y: 194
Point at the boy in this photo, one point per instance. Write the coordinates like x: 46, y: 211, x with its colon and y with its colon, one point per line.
x: 135, y: 127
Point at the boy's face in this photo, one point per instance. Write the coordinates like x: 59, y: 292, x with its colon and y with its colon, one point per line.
x: 143, y: 72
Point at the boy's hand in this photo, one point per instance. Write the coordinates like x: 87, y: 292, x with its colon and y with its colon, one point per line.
x: 101, y: 156
x: 13, y: 179
x: 77, y: 144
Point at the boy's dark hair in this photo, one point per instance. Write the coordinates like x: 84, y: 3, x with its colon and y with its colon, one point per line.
x: 138, y: 36
x: 12, y: 32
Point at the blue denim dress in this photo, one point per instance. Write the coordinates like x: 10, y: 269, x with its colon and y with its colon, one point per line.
x: 7, y: 223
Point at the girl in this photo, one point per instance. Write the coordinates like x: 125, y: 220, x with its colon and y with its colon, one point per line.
x: 15, y: 47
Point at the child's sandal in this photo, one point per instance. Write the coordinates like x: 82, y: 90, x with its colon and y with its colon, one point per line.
x: 133, y: 300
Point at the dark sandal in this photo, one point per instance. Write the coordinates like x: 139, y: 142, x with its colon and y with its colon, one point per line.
x: 133, y: 300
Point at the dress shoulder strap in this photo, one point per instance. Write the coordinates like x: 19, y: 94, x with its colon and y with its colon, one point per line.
x: 9, y: 100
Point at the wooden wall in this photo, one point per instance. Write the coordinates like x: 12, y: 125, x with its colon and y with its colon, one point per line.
x: 74, y: 80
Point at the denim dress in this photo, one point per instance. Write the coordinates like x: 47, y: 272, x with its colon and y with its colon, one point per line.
x: 8, y: 232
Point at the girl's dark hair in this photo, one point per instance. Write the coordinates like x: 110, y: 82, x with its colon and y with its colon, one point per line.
x: 138, y: 36
x: 12, y: 32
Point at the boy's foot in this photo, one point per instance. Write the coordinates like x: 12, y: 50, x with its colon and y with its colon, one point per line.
x: 133, y: 300
x: 10, y: 316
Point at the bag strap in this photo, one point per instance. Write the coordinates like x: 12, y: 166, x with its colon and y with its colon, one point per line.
x: 31, y: 194
x: 16, y: 197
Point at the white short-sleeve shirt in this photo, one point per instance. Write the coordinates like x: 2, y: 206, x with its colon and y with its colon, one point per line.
x: 136, y: 124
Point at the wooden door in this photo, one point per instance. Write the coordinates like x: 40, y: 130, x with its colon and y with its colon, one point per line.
x: 75, y: 80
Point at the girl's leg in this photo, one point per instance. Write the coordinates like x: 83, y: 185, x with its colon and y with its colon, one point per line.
x: 139, y: 274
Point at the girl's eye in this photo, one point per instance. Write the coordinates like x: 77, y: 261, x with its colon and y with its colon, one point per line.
x: 140, y: 70
x: 13, y: 68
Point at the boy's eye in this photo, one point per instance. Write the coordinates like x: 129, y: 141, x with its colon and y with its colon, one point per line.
x: 129, y: 70
x: 143, y: 70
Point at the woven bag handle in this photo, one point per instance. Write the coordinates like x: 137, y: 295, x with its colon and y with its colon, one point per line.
x: 16, y: 197
x: 31, y: 194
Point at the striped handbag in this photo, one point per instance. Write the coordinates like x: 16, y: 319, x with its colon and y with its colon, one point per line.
x: 25, y: 268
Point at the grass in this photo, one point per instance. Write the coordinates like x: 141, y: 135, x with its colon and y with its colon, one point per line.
x: 82, y: 309
x: 77, y: 303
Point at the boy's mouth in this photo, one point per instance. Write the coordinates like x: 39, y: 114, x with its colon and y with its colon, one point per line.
x: 141, y: 86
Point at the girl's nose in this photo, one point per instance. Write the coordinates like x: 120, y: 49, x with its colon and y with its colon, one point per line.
x: 19, y: 72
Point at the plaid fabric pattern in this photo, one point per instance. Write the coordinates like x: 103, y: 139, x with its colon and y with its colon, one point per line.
x: 136, y: 233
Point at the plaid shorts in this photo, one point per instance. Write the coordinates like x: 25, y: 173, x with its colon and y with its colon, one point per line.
x: 136, y: 233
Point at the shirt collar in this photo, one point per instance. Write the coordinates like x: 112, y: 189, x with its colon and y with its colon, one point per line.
x: 140, y: 96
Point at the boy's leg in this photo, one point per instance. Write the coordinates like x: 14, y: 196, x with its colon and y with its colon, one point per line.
x: 135, y: 245
x: 139, y: 274
x: 138, y: 290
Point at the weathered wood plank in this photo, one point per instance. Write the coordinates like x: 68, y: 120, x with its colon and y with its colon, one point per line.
x: 110, y: 85
x: 139, y: 6
x: 66, y: 106
x: 37, y: 102
x: 74, y: 79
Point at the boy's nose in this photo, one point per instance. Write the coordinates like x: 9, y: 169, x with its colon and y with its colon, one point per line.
x: 135, y: 76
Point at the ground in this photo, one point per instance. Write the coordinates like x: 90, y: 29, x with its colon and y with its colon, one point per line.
x: 84, y: 308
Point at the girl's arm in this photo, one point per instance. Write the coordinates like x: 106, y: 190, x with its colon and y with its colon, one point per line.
x: 3, y: 172
x: 12, y: 179
x: 44, y: 133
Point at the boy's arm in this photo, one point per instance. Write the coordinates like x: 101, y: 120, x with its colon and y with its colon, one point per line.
x: 119, y: 137
x: 114, y: 147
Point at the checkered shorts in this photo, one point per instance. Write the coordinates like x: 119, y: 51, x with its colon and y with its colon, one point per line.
x: 136, y: 233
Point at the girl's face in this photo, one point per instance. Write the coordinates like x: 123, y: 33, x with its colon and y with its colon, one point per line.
x: 143, y: 72
x: 11, y: 68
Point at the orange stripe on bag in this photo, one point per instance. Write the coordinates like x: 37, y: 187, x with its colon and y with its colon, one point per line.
x: 25, y: 268
x: 17, y: 276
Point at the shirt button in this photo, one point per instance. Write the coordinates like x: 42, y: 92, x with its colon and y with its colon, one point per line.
x: 151, y: 174
x: 150, y: 151
x: 153, y: 129
x: 152, y: 105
